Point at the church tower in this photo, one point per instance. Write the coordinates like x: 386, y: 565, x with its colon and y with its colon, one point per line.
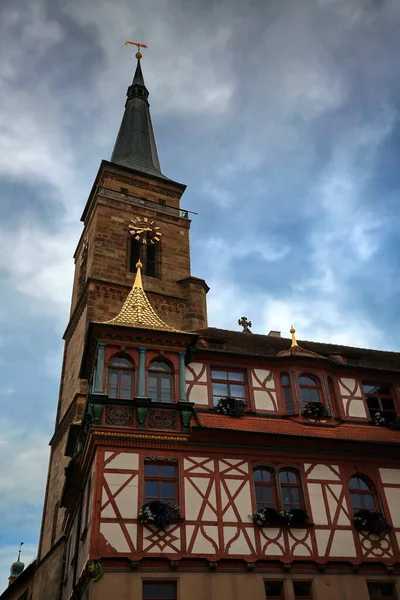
x: 133, y: 214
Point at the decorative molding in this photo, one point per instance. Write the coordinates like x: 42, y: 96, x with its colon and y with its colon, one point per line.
x: 109, y: 291
x: 162, y: 419
x: 119, y: 415
x: 166, y: 305
x: 140, y: 436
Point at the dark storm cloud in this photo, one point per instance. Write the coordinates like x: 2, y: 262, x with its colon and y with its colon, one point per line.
x: 282, y: 118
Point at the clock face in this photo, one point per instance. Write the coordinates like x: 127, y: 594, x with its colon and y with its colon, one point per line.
x: 144, y: 230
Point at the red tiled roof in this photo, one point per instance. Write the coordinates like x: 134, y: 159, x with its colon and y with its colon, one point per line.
x: 344, y: 431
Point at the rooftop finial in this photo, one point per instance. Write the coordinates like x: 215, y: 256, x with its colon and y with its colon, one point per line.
x: 243, y: 322
x: 138, y: 53
x: 293, y: 332
x: 20, y: 550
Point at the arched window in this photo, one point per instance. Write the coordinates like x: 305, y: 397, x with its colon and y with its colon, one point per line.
x: 264, y: 486
x: 160, y: 381
x: 149, y: 255
x: 291, y: 491
x: 310, y: 389
x: 287, y: 392
x: 120, y: 378
x: 362, y: 494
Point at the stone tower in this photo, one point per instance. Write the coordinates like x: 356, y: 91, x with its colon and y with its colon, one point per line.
x: 129, y: 191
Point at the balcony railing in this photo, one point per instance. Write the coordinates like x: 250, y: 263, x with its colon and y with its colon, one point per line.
x: 149, y: 204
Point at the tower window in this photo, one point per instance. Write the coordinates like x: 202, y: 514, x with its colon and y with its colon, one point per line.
x: 302, y: 589
x: 120, y: 378
x: 274, y: 590
x: 383, y: 590
x: 160, y: 382
x: 149, y: 255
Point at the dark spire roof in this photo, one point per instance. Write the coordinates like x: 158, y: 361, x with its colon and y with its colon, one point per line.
x: 135, y: 146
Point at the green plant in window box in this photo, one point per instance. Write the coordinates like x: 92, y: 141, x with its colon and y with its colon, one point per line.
x: 371, y: 521
x: 315, y: 410
x: 232, y: 407
x: 159, y: 514
x: 271, y: 517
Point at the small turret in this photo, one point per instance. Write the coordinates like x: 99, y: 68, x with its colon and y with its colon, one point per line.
x: 17, y: 567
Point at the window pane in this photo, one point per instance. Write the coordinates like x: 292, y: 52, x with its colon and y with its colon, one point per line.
x: 167, y: 471
x: 126, y: 393
x: 355, y: 500
x: 302, y: 589
x: 168, y: 489
x: 274, y: 589
x: 305, y: 394
x: 167, y: 590
x: 314, y: 394
x: 259, y: 494
x: 283, y: 476
x: 292, y: 477
x: 257, y: 475
x: 387, y: 404
x: 151, y: 489
x: 373, y: 402
x: 159, y: 366
x: 377, y: 590
x: 368, y: 389
x: 369, y: 501
x: 149, y: 590
x: 118, y: 361
x: 285, y: 380
x: 268, y: 495
x: 305, y: 380
x: 151, y: 470
x: 235, y: 376
x: 220, y: 389
x: 237, y: 391
x: 219, y: 374
x: 166, y: 381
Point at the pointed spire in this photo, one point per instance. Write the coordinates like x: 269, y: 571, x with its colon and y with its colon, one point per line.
x: 137, y: 310
x: 135, y: 146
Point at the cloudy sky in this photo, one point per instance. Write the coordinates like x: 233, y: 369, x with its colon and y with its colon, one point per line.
x: 281, y: 116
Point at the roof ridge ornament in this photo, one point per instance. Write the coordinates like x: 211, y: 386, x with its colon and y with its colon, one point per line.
x: 243, y: 322
x: 138, y: 54
x: 293, y: 332
x: 297, y: 350
x: 137, y: 311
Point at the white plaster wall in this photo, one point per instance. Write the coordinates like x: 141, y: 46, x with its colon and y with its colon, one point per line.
x: 114, y: 536
x: 318, y: 510
x: 196, y: 367
x: 263, y: 400
x: 194, y: 498
x: 390, y: 475
x: 205, y: 538
x: 393, y: 500
x: 343, y: 543
x: 199, y: 395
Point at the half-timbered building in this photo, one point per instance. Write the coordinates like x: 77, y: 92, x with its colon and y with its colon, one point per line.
x: 191, y: 462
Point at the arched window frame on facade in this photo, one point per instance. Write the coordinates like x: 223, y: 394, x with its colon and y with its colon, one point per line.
x: 291, y: 473
x: 160, y: 375
x: 149, y: 255
x: 278, y: 490
x: 288, y: 397
x: 312, y: 393
x: 118, y: 376
x: 363, y: 494
x: 265, y: 491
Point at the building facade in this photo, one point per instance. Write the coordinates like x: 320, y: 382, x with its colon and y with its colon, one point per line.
x: 194, y: 462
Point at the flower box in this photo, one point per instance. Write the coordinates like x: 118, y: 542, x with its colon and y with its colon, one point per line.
x: 271, y: 517
x: 159, y: 514
x: 371, y: 521
x: 315, y: 410
x: 232, y: 407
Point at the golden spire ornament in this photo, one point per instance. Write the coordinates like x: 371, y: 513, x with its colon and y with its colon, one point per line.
x: 293, y: 332
x: 138, y: 53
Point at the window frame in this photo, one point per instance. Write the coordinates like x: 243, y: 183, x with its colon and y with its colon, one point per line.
x: 318, y: 387
x: 283, y: 595
x: 228, y: 369
x: 159, y: 373
x: 394, y: 591
x: 290, y: 387
x: 119, y: 373
x: 158, y: 582
x: 298, y: 485
x: 372, y: 491
x: 161, y: 462
x: 392, y: 396
x: 141, y: 254
x: 275, y: 494
x: 310, y: 596
x: 275, y: 471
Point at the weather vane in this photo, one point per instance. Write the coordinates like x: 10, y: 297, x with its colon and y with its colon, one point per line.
x: 138, y: 53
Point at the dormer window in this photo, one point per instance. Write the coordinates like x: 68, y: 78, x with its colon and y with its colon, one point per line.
x: 379, y: 399
x: 309, y: 389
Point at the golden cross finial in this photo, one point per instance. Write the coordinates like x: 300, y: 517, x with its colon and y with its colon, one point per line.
x: 138, y: 53
x: 293, y: 332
